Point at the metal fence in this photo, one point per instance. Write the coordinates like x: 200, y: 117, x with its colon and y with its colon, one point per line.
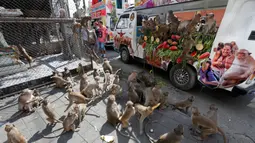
x: 33, y: 42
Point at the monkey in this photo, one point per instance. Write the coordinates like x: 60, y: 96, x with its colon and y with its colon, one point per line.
x: 242, y: 67
x: 209, y: 125
x: 25, y: 54
x: 112, y: 111
x: 116, y: 79
x: 115, y: 117
x: 49, y: 112
x: 80, y: 70
x: 107, y: 66
x: 175, y: 136
x: 107, y: 77
x: 146, y: 79
x: 60, y: 82
x: 136, y: 93
x: 132, y: 77
x: 208, y: 23
x: 212, y: 113
x: 68, y: 123
x: 189, y: 26
x: 84, y: 81
x: 173, y: 22
x: 88, y: 90
x: 184, y: 104
x: 128, y: 113
x: 57, y: 73
x: 14, y: 135
x: 115, y: 89
x: 80, y: 109
x: 75, y: 97
x: 144, y: 112
x: 163, y: 101
x: 157, y: 93
x: 27, y: 100
x: 67, y: 74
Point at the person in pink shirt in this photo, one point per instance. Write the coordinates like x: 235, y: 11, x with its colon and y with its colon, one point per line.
x: 102, y: 35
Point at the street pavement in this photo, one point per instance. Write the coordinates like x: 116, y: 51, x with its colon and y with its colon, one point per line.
x: 235, y: 118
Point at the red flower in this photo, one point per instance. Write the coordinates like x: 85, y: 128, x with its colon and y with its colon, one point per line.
x: 166, y: 46
x: 173, y: 48
x: 179, y: 60
x: 144, y: 44
x: 204, y: 55
x: 193, y: 54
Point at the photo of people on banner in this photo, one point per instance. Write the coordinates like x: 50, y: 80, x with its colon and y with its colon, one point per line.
x: 229, y: 66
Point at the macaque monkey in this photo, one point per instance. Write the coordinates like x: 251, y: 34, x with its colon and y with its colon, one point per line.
x: 80, y: 70
x: 60, y: 82
x: 144, y: 112
x: 107, y: 65
x: 88, y: 90
x: 242, y: 67
x: 14, y: 135
x: 213, y: 113
x: 146, y: 79
x: 26, y: 100
x: 128, y: 113
x: 112, y: 111
x: 107, y: 78
x: 189, y: 26
x: 115, y: 89
x: 84, y: 81
x: 173, y: 22
x: 49, y: 112
x: 67, y: 74
x: 75, y: 97
x: 136, y: 93
x: 184, y: 104
x: 164, y: 101
x: 80, y: 109
x: 57, y: 73
x: 116, y: 79
x: 132, y: 77
x: 172, y: 137
x: 209, y: 126
x: 25, y: 54
x: 68, y: 123
x: 208, y: 23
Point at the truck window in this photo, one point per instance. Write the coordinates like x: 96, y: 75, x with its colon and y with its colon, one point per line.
x: 123, y: 22
x: 252, y: 36
x: 139, y: 20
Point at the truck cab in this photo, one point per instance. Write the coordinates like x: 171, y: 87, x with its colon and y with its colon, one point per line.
x: 220, y: 56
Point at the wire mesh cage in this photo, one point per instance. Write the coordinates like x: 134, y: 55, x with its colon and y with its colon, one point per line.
x: 35, y: 39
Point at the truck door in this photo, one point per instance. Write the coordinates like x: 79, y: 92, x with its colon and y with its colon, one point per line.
x: 122, y: 37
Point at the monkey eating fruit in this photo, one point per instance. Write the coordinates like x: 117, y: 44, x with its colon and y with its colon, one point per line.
x: 14, y: 135
x: 172, y: 137
x: 209, y: 126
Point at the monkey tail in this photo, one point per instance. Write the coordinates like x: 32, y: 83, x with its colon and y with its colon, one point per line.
x: 117, y: 71
x: 63, y: 132
x: 58, y: 121
x: 223, y: 134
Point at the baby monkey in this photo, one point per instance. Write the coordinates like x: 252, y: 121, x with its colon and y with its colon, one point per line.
x: 14, y: 135
x: 128, y: 113
x: 172, y: 137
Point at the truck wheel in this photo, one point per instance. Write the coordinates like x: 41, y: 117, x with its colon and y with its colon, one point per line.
x: 183, y: 78
x: 124, y: 54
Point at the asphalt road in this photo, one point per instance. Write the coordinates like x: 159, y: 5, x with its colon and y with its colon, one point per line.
x: 234, y: 116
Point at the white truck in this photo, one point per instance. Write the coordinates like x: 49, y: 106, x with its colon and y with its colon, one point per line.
x: 222, y: 52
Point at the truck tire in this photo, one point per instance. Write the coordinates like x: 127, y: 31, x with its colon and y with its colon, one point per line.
x: 124, y: 54
x: 183, y: 78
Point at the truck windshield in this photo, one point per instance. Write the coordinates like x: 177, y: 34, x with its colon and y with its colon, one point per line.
x: 123, y: 22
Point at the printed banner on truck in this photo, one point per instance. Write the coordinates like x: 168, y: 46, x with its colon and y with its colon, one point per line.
x: 154, y: 3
